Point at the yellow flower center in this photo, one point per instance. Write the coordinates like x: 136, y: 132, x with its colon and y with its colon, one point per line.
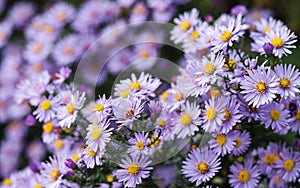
x: 221, y: 139
x: 164, y: 96
x: 96, y: 133
x: 202, y: 167
x: 144, y: 54
x: 48, y: 127
x: 185, y: 25
x: 99, y: 107
x: 266, y: 30
x: 133, y: 169
x: 240, y: 159
x: 45, y: 105
x: 139, y: 145
x: 68, y: 50
x: 161, y: 123
x: 227, y: 115
x: 70, y: 108
x: 154, y: 141
x: 277, y: 42
x: 48, y: 29
x: 230, y: 65
x: 37, y: 47
x: 243, y: 176
x: 261, y: 87
x: 54, y: 175
x: 59, y: 144
x: 6, y: 182
x: 288, y: 164
x: 75, y: 157
x: 37, y: 67
x: 109, y: 178
x: 90, y: 153
x: 298, y: 115
x: 195, y: 34
x: 277, y: 180
x: 135, y: 85
x: 60, y: 16
x: 270, y: 159
x: 211, y: 114
x: 124, y: 94
x: 185, y: 119
x: 38, y: 186
x: 275, y: 115
x: 209, y: 68
x: 178, y: 97
x: 284, y: 83
x: 238, y: 142
x: 214, y: 92
x: 226, y: 36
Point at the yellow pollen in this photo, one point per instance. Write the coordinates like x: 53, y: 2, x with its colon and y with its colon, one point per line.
x: 75, y: 157
x: 48, y: 29
x: 261, y: 87
x: 238, y: 142
x: 135, y: 85
x: 221, y: 139
x: 202, y: 167
x: 133, y: 169
x: 226, y: 36
x: 211, y: 114
x: 144, y: 54
x: 54, y: 175
x: 45, y: 105
x: 68, y: 129
x: 59, y: 144
x: 60, y: 16
x: 214, y: 92
x: 185, y: 25
x: 288, y: 165
x: 139, y: 145
x: 270, y: 159
x: 38, y: 186
x: 6, y: 182
x: 275, y: 115
x: 178, y: 97
x: 185, y: 119
x: 209, y: 68
x: 70, y: 108
x: 48, y: 127
x: 124, y: 93
x: 284, y: 83
x: 195, y: 34
x: 90, y: 153
x: 161, y: 123
x: 37, y: 67
x: 154, y: 141
x: 231, y: 64
x: 164, y: 96
x: 99, y: 107
x: 37, y: 47
x: 109, y: 178
x: 68, y: 50
x: 96, y: 133
x: 240, y: 159
x: 227, y: 115
x: 277, y: 42
x: 298, y: 115
x: 267, y: 29
x: 277, y: 180
x: 243, y: 176
x: 234, y: 87
x: 139, y: 9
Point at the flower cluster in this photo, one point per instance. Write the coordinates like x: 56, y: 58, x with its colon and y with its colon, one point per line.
x: 212, y: 126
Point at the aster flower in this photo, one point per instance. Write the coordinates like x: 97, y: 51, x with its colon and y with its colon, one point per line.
x: 49, y: 133
x: 289, y: 80
x: 98, y: 134
x: 100, y: 109
x: 119, y: 61
x: 264, y: 25
x: 139, y: 144
x: 201, y: 166
x: 37, y: 51
x: 244, y: 175
x: 61, y: 12
x: 223, y: 144
x: 295, y: 119
x: 6, y: 29
x: 242, y: 143
x: 275, y: 116
x: 62, y: 75
x: 46, y: 109
x: 186, y: 124
x: 92, y: 158
x: 165, y: 123
x: 20, y: 13
x: 213, y: 115
x: 288, y: 165
x: 139, y: 13
x: 134, y: 169
x: 260, y: 86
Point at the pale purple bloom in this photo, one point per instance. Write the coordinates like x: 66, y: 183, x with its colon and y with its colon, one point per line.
x: 46, y: 109
x: 62, y: 13
x: 139, y: 144
x: 242, y: 143
x: 37, y: 50
x: 6, y: 29
x: 92, y: 158
x: 238, y: 9
x: 62, y: 75
x: 223, y: 144
x: 21, y: 12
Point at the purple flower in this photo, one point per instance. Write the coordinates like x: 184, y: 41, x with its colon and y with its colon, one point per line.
x: 46, y: 109
x: 242, y: 142
x: 268, y: 48
x: 238, y: 9
x: 223, y: 144
x: 30, y: 120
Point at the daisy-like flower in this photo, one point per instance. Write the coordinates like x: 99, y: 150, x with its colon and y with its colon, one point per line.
x: 37, y: 51
x: 92, y: 158
x: 264, y: 25
x: 289, y: 80
x: 127, y: 110
x: 142, y: 87
x: 223, y: 144
x: 288, y: 165
x: 139, y: 13
x: 214, y: 113
x: 21, y: 12
x: 138, y: 144
x: 260, y: 86
x: 187, y: 122
x: 100, y: 109
x: 67, y: 113
x: 62, y: 75
x: 242, y: 142
x: 62, y: 13
x: 66, y: 50
x: 134, y: 169
x: 275, y: 116
x: 49, y: 133
x: 6, y: 28
x: 244, y: 175
x: 201, y: 166
x: 98, y: 135
x: 184, y: 23
x: 46, y: 109
x: 232, y: 116
x: 226, y: 34
x: 295, y: 119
